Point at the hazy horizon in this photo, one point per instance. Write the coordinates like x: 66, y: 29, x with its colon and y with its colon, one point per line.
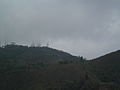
x: 80, y: 27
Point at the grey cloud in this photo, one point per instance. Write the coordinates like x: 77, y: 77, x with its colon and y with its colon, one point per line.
x: 81, y: 27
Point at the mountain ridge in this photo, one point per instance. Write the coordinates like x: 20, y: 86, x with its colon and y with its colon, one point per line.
x: 44, y: 68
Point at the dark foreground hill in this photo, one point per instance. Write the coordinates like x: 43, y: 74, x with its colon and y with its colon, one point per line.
x: 107, y: 67
x: 43, y: 68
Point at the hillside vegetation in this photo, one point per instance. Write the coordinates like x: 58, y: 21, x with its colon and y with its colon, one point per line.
x: 44, y: 68
x: 107, y: 68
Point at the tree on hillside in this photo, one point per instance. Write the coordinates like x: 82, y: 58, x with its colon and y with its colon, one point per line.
x: 81, y: 58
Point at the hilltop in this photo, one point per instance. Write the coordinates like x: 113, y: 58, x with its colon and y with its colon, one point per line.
x: 18, y: 55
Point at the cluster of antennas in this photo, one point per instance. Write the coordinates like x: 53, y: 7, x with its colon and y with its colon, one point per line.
x: 39, y: 44
x: 32, y: 44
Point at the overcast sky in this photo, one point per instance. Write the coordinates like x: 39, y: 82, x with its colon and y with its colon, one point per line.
x: 90, y: 28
